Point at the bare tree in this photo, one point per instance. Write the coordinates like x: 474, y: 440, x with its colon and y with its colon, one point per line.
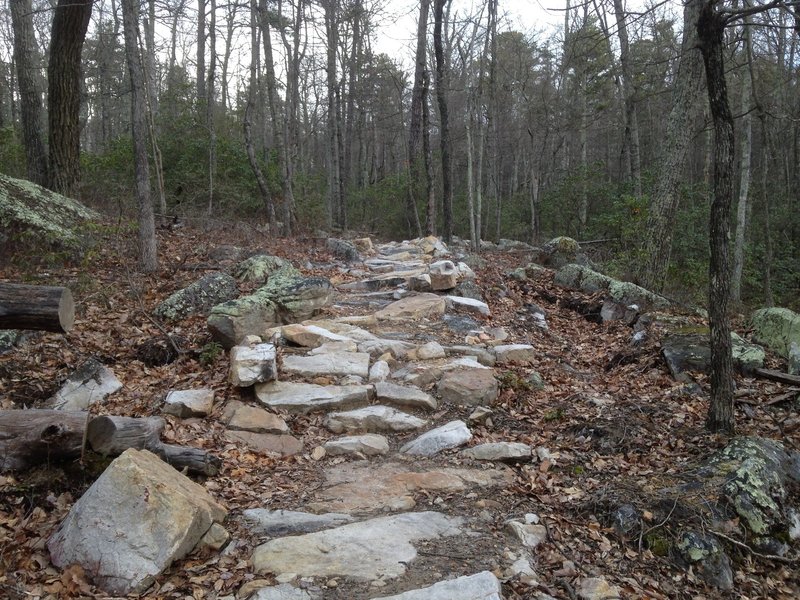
x: 147, y: 237
x: 26, y: 58
x: 444, y: 125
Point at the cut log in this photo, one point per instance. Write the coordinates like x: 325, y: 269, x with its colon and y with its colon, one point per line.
x: 778, y: 376
x: 32, y: 437
x: 40, y: 307
x: 111, y: 436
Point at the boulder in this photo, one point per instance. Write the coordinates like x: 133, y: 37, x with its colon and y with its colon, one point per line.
x: 189, y: 403
x: 252, y: 364
x: 444, y: 275
x: 231, y: 321
x: 705, y: 552
x: 585, y: 279
x: 133, y: 522
x: 776, y: 328
x: 561, y: 251
x: 449, y: 435
x: 297, y: 297
x: 334, y: 363
x: 430, y: 351
x: 198, y: 298
x: 523, y: 354
x: 258, y: 268
x: 468, y: 289
x: 405, y: 396
x: 692, y: 352
x: 91, y: 383
x: 343, y: 250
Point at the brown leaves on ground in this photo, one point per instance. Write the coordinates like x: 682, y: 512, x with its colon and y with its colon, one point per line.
x: 616, y: 425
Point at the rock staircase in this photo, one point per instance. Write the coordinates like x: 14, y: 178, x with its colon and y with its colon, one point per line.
x: 405, y: 507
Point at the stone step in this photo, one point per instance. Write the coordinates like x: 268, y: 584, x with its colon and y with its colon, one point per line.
x: 373, y: 419
x: 333, y: 364
x: 481, y: 586
x: 404, y: 396
x: 302, y: 398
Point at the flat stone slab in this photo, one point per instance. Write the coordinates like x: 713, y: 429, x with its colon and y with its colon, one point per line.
x: 92, y: 382
x: 362, y: 487
x: 520, y: 353
x: 379, y: 548
x: 500, y: 451
x: 413, y: 307
x: 252, y: 364
x: 372, y: 419
x: 481, y: 586
x: 469, y: 385
x: 377, y: 347
x: 402, y: 395
x: 369, y: 444
x: 285, y: 445
x: 310, y: 336
x: 284, y: 591
x: 240, y: 416
x: 279, y: 523
x: 468, y: 305
x: 189, y: 403
x: 302, y: 398
x: 449, y: 435
x: 530, y: 534
x: 336, y: 364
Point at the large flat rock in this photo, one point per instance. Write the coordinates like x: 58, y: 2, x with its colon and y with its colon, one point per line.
x: 310, y: 336
x: 334, y: 363
x: 373, y: 419
x: 139, y: 516
x: 413, y: 307
x: 449, y: 435
x: 468, y: 385
x: 301, y: 398
x: 403, y: 395
x: 279, y: 523
x: 362, y: 487
x: 380, y: 548
x: 91, y: 383
x: 481, y: 586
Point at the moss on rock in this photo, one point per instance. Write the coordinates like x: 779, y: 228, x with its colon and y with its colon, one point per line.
x: 583, y: 278
x: 199, y: 297
x: 776, y: 328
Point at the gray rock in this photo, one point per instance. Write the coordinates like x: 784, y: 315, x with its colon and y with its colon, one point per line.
x: 311, y: 336
x: 530, y: 534
x: 279, y: 523
x: 468, y: 304
x: 596, y: 588
x: 585, y: 279
x: 133, y: 522
x: 614, y: 311
x: 189, y: 403
x: 242, y: 417
x: 296, y: 297
x: 627, y: 520
x: 198, y: 298
x: 444, y: 275
x: 252, y: 364
x: 776, y: 328
x: 91, y: 383
x: 258, y: 268
x: 378, y: 347
x: 365, y: 551
x: 468, y: 289
x: 269, y: 443
x: 401, y: 395
x: 379, y: 371
x: 561, y: 251
x: 302, y: 398
x: 705, y: 552
x: 335, y: 364
x: 449, y: 435
x: 461, y: 323
x: 470, y: 386
x: 481, y: 354
x: 369, y: 444
x: 481, y: 586
x: 386, y: 281
x: 692, y: 352
x: 231, y: 321
x: 225, y: 252
x: 524, y: 354
x: 284, y: 591
x: 343, y: 250
x: 499, y: 451
x: 9, y: 338
x: 793, y: 363
x: 373, y: 419
x: 419, y: 283
x: 430, y: 351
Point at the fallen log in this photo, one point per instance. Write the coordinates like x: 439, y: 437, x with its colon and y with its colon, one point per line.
x: 111, y: 436
x: 33, y: 437
x: 40, y: 307
x: 778, y: 376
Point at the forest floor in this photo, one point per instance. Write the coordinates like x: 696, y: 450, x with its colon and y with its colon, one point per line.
x: 616, y: 423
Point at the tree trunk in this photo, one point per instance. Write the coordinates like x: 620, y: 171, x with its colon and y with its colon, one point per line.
x: 680, y: 132
x: 430, y: 193
x: 26, y: 57
x: 629, y: 92
x: 201, y: 54
x: 334, y: 157
x: 210, y: 103
x: 148, y: 256
x: 255, y: 60
x: 768, y: 299
x: 70, y: 23
x: 744, y: 170
x: 473, y: 237
x: 39, y: 307
x: 415, y: 133
x: 441, y: 97
x: 711, y: 31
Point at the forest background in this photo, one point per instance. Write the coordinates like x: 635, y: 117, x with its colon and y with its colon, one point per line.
x: 287, y: 113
